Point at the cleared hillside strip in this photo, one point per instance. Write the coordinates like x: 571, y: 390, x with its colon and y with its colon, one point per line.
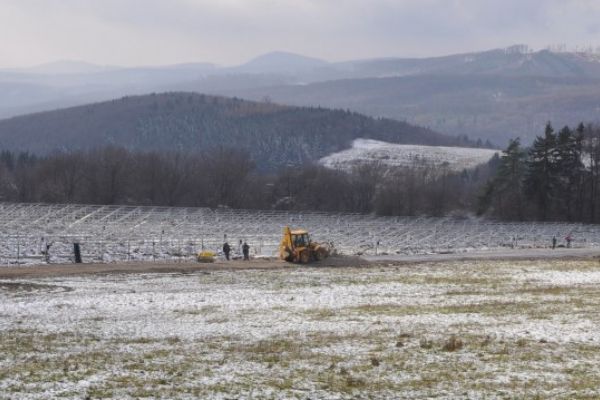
x: 367, y: 152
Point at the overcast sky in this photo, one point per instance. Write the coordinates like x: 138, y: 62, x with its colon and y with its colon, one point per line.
x: 144, y: 32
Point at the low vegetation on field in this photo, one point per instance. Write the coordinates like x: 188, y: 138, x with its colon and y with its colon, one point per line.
x: 522, y: 329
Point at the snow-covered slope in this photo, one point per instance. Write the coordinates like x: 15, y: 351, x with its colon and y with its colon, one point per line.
x: 367, y: 151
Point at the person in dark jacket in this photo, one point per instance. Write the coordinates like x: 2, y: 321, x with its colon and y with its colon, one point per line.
x: 246, y: 251
x: 553, y: 242
x: 226, y: 250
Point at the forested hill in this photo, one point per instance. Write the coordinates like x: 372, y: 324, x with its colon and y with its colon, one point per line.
x: 273, y: 135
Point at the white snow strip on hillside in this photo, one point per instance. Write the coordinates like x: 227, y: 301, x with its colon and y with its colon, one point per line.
x: 367, y: 151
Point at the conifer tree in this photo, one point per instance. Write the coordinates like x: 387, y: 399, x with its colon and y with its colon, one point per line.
x: 505, y: 192
x: 591, y: 146
x: 568, y: 172
x: 541, y: 171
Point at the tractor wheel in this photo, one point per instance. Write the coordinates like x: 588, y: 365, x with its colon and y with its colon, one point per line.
x: 305, y: 257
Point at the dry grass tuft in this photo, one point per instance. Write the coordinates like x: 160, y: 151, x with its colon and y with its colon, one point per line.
x: 425, y: 343
x: 355, y: 382
x: 453, y: 343
x: 487, y: 340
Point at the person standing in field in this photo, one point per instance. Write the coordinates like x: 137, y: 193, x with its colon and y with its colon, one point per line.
x: 246, y: 251
x: 226, y: 250
x: 569, y: 239
x: 553, y: 242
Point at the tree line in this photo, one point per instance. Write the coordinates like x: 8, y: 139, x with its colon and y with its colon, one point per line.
x: 557, y: 178
x: 228, y: 177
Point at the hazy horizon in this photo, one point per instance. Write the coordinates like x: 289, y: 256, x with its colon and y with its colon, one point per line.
x: 167, y: 63
x: 132, y: 33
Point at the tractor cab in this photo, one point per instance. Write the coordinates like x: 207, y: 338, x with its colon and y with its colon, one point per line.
x: 300, y: 238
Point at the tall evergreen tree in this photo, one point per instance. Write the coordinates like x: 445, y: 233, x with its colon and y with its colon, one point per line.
x: 504, y: 194
x: 541, y: 170
x: 591, y: 147
x: 568, y: 172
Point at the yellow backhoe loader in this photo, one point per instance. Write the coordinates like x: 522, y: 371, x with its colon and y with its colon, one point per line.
x: 296, y: 247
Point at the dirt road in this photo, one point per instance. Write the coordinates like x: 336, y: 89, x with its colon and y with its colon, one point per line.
x: 41, y: 271
x: 38, y: 271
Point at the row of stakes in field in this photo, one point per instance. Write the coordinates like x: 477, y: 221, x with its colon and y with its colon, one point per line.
x: 122, y: 233
x: 90, y: 250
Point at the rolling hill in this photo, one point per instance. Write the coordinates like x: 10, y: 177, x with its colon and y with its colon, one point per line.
x: 274, y: 135
x: 512, y: 61
x: 491, y: 107
x: 496, y: 94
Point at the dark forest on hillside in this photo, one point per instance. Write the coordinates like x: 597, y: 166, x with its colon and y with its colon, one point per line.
x: 274, y: 136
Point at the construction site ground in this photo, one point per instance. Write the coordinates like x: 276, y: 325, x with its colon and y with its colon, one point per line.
x: 51, y: 270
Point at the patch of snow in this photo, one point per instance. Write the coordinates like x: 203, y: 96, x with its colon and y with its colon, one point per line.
x: 566, y: 278
x: 368, y: 151
x: 359, y: 313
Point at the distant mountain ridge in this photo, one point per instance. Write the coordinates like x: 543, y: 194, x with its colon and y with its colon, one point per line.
x: 496, y: 94
x: 491, y: 107
x: 275, y: 136
x: 512, y: 61
x: 66, y: 67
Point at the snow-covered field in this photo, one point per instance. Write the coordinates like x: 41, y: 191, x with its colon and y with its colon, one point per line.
x: 490, y: 330
x: 128, y: 233
x: 368, y: 151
